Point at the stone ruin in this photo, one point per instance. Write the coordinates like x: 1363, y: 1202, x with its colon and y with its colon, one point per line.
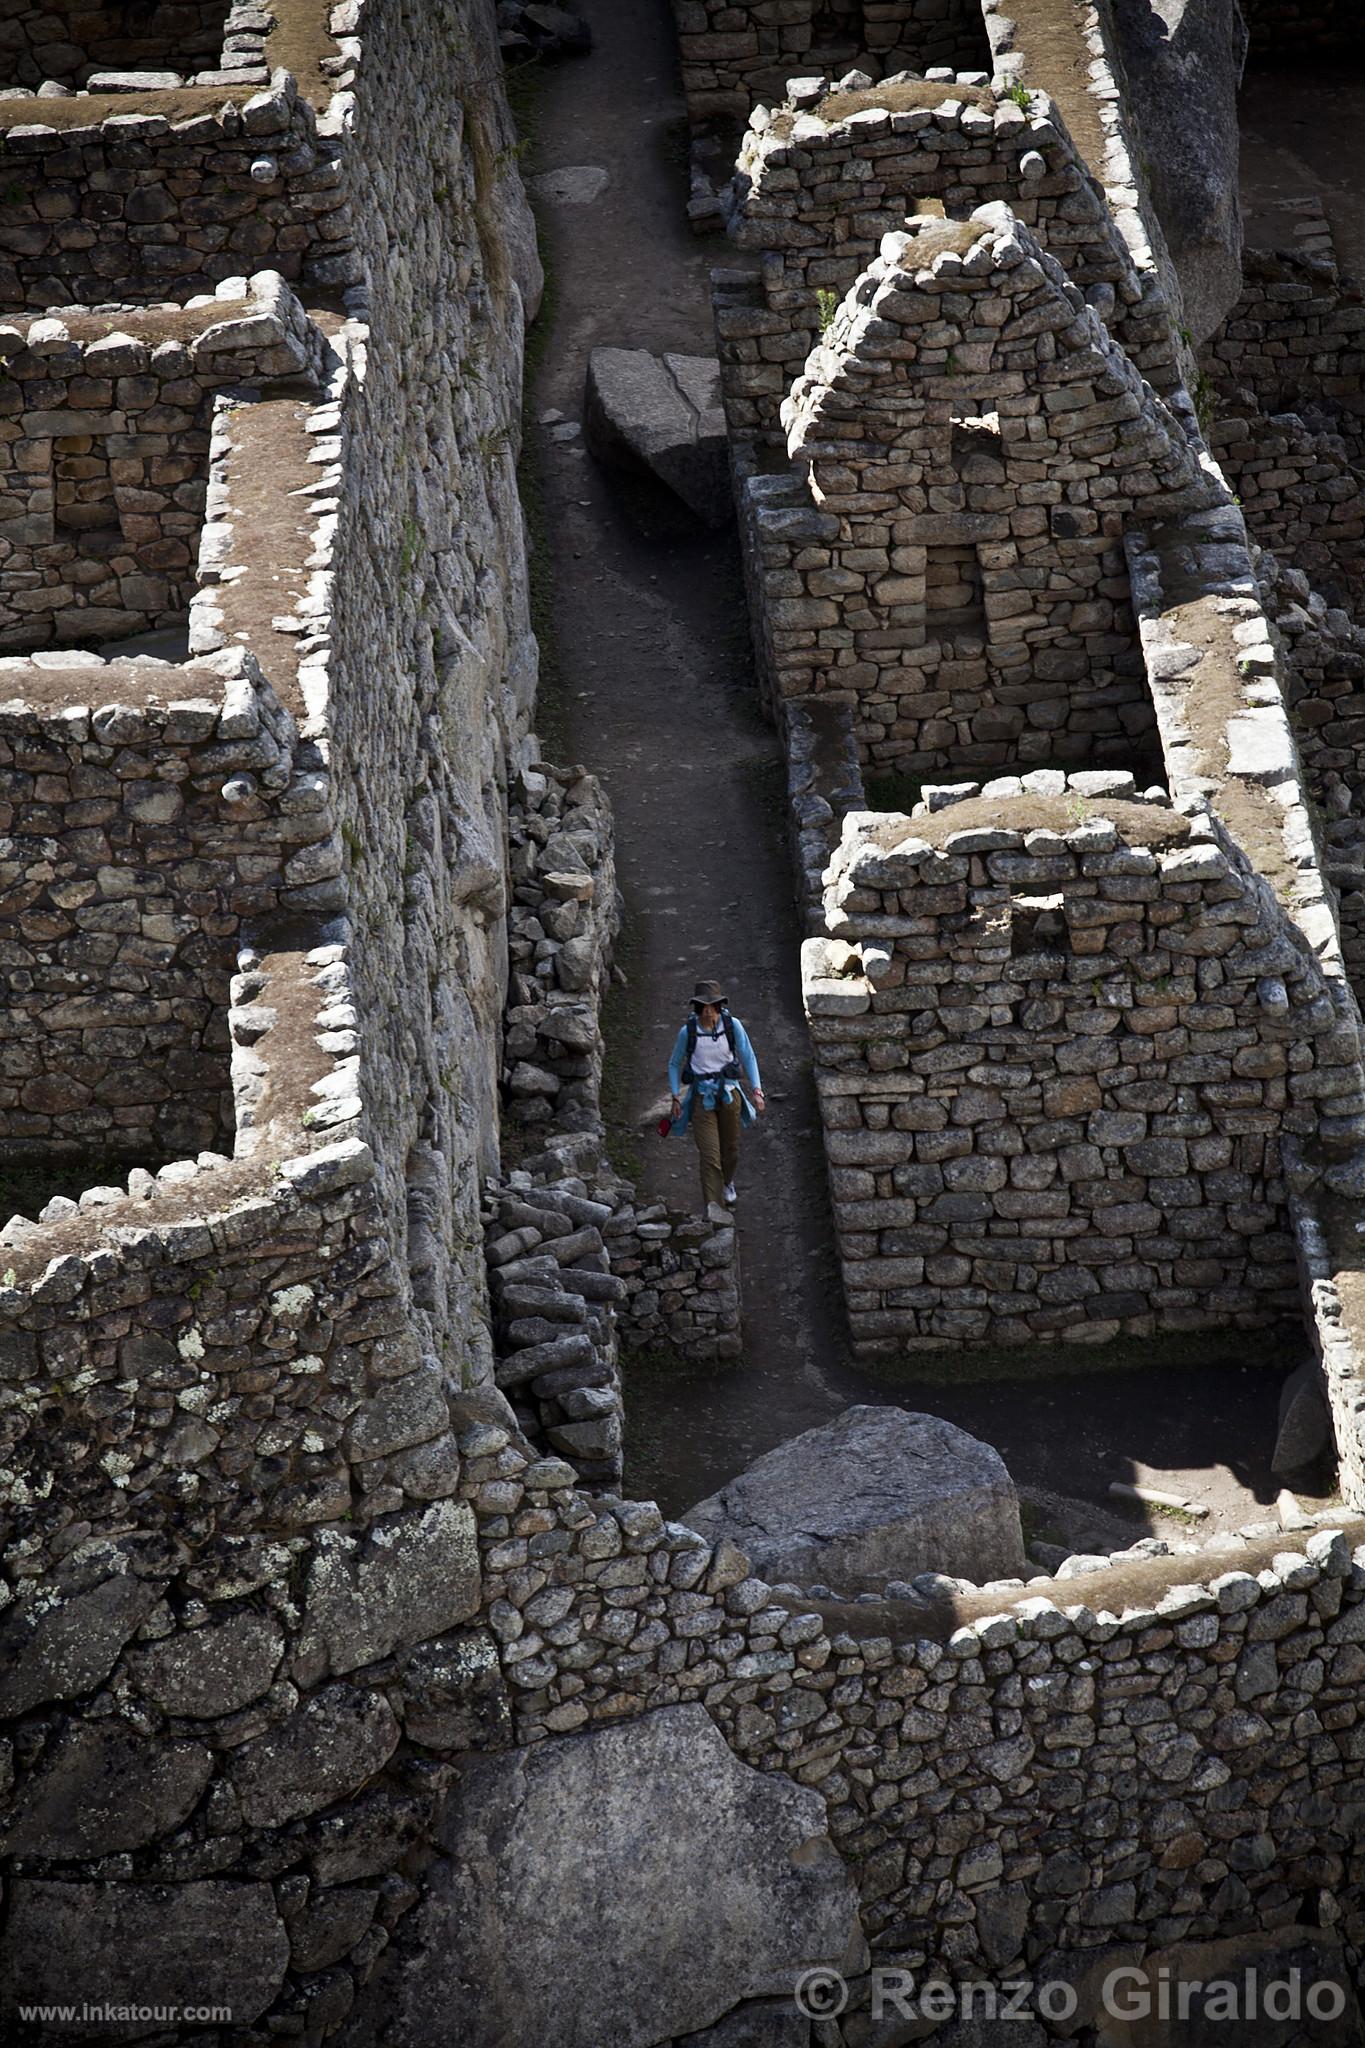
x: 130, y: 45
x: 328, y: 1646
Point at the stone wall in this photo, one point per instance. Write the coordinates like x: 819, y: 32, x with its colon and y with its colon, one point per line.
x: 562, y: 925
x: 672, y: 1277
x: 425, y: 669
x: 130, y: 878
x: 1301, y: 496
x: 656, y: 1274
x: 554, y: 1291
x: 186, y: 199
x: 824, y: 783
x: 1026, y: 1779
x: 951, y: 560
x: 1325, y: 680
x: 1054, y: 1077
x: 580, y: 1270
x: 1296, y: 336
x: 734, y: 54
x: 72, y: 45
x: 277, y: 1553
x: 104, y: 457
x: 903, y: 148
x: 243, y: 1368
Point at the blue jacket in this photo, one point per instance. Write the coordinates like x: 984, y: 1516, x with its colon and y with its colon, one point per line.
x: 705, y: 1093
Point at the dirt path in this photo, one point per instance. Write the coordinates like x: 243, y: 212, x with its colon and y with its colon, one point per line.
x: 650, y: 684
x: 651, y: 646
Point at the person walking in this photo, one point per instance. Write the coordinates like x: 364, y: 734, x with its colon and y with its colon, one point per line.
x: 713, y: 1056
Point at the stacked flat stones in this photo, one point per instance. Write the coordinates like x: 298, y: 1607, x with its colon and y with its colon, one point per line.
x: 1176, y: 1714
x: 123, y: 843
x: 186, y: 200
x: 553, y: 1293
x: 1297, y: 332
x: 104, y: 454
x: 959, y: 378
x: 172, y: 42
x: 941, y: 141
x: 1325, y: 691
x: 1055, y: 1057
x: 732, y: 55
x: 563, y: 921
x: 1300, y: 494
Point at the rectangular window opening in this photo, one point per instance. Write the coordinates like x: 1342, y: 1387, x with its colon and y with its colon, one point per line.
x: 1038, y: 925
x: 116, y: 567
x: 84, y: 502
x: 954, y: 598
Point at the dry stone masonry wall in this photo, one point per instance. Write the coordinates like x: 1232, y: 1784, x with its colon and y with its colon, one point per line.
x: 129, y: 882
x: 733, y: 55
x: 279, y: 1552
x: 920, y: 145
x: 112, y: 47
x: 564, y: 918
x: 185, y: 199
x: 104, y: 456
x: 1301, y: 495
x: 673, y: 1277
x: 246, y: 1345
x: 1296, y: 334
x: 1053, y: 1080
x: 972, y: 440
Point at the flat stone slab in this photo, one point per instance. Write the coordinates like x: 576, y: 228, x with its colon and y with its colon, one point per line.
x: 573, y: 185
x: 1259, y: 747
x: 627, y: 1885
x: 878, y: 1494
x: 662, y: 414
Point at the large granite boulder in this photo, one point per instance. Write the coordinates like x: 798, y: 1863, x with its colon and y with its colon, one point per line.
x: 663, y: 415
x: 213, y: 1943
x: 625, y: 1885
x: 1183, y: 65
x: 876, y: 1495
x: 1304, y: 1430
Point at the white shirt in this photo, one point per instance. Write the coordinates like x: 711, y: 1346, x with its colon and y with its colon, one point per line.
x: 711, y: 1052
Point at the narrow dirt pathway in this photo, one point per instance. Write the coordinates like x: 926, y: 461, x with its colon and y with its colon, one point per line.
x: 655, y: 693
x: 648, y: 680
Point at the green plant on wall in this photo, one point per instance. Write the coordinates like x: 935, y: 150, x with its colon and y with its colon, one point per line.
x: 826, y: 306
x: 1205, y: 403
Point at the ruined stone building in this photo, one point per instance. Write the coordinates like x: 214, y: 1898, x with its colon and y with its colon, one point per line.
x: 335, y: 1673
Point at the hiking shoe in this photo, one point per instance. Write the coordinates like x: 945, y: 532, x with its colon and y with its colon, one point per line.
x: 729, y: 1192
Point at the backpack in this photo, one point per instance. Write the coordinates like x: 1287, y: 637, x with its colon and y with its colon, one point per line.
x: 731, y: 1070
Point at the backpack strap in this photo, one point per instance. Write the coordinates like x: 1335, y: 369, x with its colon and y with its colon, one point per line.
x: 731, y: 1071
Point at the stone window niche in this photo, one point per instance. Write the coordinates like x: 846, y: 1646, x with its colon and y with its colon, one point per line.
x: 976, y: 441
x: 954, y: 598
x: 131, y: 877
x: 111, y: 423
x: 76, y: 42
x: 1038, y: 926
x: 106, y: 545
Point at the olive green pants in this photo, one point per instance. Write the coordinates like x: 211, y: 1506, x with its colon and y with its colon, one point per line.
x: 716, y: 1132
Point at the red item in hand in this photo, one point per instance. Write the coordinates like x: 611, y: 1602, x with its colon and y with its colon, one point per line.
x: 665, y: 1125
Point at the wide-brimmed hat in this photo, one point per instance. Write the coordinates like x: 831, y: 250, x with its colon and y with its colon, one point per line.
x: 708, y: 992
